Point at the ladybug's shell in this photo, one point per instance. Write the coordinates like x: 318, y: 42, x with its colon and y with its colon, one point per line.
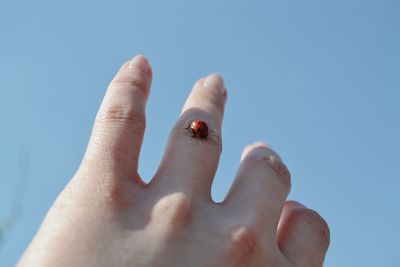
x: 199, y: 128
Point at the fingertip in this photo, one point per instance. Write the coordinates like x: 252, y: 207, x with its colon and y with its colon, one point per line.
x: 292, y: 204
x: 214, y: 80
x: 257, y: 147
x: 139, y: 62
x: 303, y: 234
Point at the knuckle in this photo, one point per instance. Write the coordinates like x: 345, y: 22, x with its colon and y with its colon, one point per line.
x: 245, y: 244
x: 174, y: 210
x: 271, y: 162
x: 85, y: 195
x: 122, y: 113
x: 116, y: 194
x: 312, y: 219
x: 104, y: 190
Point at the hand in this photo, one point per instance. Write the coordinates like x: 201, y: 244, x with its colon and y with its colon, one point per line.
x: 107, y: 215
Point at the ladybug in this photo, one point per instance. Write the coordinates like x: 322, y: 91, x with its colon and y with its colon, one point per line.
x: 199, y: 128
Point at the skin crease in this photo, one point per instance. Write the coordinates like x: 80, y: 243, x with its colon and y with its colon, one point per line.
x: 107, y: 215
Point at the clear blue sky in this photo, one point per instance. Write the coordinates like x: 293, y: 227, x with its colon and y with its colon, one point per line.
x: 318, y: 80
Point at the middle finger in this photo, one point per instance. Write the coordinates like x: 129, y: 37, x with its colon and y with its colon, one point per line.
x: 190, y: 163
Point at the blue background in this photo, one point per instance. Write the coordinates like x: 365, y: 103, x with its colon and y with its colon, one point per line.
x: 318, y: 80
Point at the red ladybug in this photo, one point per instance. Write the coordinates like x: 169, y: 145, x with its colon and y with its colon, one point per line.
x: 199, y: 128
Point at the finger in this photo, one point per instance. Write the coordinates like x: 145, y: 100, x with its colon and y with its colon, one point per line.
x: 190, y: 163
x: 303, y: 235
x: 260, y: 189
x: 120, y: 123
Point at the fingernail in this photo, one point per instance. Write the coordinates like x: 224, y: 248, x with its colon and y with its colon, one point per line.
x: 297, y: 204
x: 260, y: 149
x: 302, y: 205
x: 262, y: 144
x: 261, y: 152
x: 215, y: 82
x: 139, y: 62
x: 225, y: 95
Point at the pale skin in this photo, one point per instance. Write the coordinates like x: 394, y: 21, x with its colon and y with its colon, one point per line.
x: 107, y: 215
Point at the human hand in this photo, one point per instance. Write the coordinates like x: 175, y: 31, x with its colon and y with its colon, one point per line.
x: 107, y: 215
